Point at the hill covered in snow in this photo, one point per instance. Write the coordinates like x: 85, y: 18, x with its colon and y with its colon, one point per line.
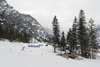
x: 11, y: 55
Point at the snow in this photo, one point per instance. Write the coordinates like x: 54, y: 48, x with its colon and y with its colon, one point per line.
x: 11, y: 55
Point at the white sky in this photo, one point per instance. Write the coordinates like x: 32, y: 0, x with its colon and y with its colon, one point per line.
x: 65, y: 10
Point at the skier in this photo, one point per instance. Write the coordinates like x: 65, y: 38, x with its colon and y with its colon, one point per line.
x: 23, y: 48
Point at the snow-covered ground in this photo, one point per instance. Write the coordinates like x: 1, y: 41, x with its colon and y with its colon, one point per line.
x: 11, y: 55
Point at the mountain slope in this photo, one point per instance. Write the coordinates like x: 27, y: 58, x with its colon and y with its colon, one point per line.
x: 23, y: 22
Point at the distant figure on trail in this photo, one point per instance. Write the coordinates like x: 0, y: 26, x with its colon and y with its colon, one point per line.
x: 46, y: 45
x: 67, y: 51
x: 23, y: 48
x: 87, y: 56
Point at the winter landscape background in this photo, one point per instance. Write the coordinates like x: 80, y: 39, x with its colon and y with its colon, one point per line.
x: 15, y: 28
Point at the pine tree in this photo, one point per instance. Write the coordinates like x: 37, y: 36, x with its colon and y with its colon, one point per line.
x: 63, y: 44
x: 69, y: 39
x: 1, y: 30
x: 92, y: 35
x: 12, y: 32
x: 82, y: 33
x: 56, y: 31
x: 74, y: 34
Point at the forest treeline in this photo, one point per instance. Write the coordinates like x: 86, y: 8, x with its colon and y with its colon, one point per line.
x: 82, y: 36
x: 11, y: 32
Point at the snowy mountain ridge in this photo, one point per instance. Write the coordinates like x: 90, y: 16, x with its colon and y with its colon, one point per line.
x: 23, y: 22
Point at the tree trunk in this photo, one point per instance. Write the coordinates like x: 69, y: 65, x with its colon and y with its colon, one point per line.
x: 54, y: 49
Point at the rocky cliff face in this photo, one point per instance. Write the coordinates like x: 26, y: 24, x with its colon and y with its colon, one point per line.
x: 23, y: 22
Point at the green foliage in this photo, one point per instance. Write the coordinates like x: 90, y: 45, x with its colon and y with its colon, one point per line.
x: 83, y: 34
x: 69, y: 39
x: 92, y: 36
x: 56, y: 31
x: 1, y: 31
x: 63, y: 43
x: 72, y: 36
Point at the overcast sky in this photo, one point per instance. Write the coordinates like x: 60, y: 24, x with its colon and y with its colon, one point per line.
x: 65, y: 10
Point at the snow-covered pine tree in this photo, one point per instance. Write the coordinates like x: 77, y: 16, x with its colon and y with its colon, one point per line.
x: 74, y: 34
x: 56, y: 31
x: 92, y: 37
x: 1, y: 26
x: 0, y: 29
x: 69, y: 39
x: 63, y: 44
x: 82, y: 33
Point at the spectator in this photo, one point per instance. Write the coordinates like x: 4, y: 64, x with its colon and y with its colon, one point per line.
x: 87, y: 56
